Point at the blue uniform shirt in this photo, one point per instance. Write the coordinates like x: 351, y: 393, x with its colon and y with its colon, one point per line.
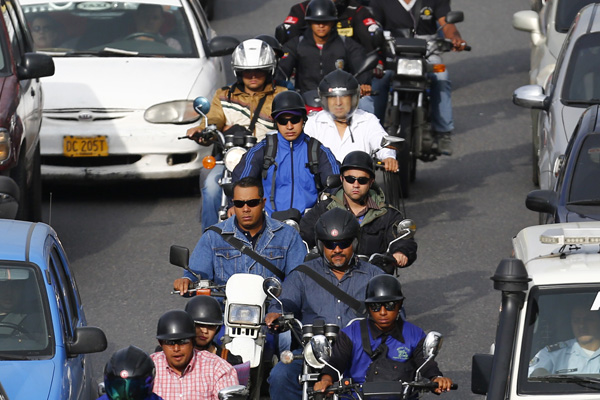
x: 565, y: 358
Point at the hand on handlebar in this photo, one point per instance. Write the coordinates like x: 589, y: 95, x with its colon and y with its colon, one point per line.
x: 323, y: 384
x: 365, y: 90
x: 459, y: 44
x: 444, y: 384
x: 272, y: 321
x: 182, y: 285
x: 201, y: 136
x: 401, y: 259
x: 390, y: 164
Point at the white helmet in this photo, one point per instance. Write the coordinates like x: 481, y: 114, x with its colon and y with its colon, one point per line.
x: 253, y: 54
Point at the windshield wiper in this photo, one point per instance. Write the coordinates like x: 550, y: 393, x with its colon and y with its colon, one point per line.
x: 563, y: 378
x: 582, y: 102
x: 5, y: 357
x: 588, y: 202
x: 105, y: 52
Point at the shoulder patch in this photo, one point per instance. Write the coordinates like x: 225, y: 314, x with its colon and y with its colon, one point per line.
x: 369, y: 21
x: 291, y: 20
x: 556, y: 346
x: 534, y: 361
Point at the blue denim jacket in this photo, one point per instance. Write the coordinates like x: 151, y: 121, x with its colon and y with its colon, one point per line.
x: 308, y: 301
x: 216, y: 260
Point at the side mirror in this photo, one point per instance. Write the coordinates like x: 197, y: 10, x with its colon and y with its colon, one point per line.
x: 35, y: 65
x: 317, y: 351
x: 201, y: 105
x: 432, y: 344
x: 222, y: 46
x: 234, y: 393
x: 87, y: 339
x: 369, y: 63
x: 334, y: 181
x: 179, y: 256
x: 526, y: 20
x: 407, y: 225
x: 9, y: 197
x: 389, y: 141
x: 481, y: 372
x: 454, y: 17
x: 531, y: 96
x: 542, y: 201
x: 272, y: 287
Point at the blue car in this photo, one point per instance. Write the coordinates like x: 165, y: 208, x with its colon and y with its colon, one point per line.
x: 43, y: 334
x: 577, y: 193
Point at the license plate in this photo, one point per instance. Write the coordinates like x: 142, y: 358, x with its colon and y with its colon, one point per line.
x: 78, y: 146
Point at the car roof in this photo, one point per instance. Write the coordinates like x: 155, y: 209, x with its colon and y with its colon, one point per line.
x: 550, y: 262
x: 163, y: 2
x: 587, y: 21
x: 19, y: 239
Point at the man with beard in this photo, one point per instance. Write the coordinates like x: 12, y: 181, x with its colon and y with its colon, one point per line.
x: 337, y: 237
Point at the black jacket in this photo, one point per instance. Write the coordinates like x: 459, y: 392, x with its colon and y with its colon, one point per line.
x: 376, y: 229
x: 312, y: 63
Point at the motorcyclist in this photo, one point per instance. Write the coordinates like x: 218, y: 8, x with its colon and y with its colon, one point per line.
x: 232, y: 110
x: 397, y: 15
x: 181, y: 370
x: 378, y: 220
x: 396, y: 345
x: 208, y: 318
x: 320, y: 50
x: 293, y: 167
x: 342, y: 127
x: 129, y: 375
x: 337, y: 234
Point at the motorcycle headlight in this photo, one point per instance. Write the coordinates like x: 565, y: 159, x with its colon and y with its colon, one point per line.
x: 409, y: 67
x: 233, y: 157
x: 310, y: 358
x: 244, y: 314
x: 172, y: 112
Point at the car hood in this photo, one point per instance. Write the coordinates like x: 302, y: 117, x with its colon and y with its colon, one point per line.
x: 130, y: 83
x: 27, y: 379
x: 570, y: 116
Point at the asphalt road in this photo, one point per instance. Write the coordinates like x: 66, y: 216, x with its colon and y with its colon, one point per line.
x: 467, y: 207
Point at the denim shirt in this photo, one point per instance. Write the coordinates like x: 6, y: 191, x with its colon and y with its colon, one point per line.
x: 216, y: 260
x: 309, y: 301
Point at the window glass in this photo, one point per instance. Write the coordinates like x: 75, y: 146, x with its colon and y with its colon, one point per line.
x: 587, y: 170
x: 582, y: 81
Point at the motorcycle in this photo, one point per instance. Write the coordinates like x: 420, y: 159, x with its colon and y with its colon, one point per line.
x: 231, y: 147
x: 383, y: 389
x: 408, y: 114
x: 246, y: 298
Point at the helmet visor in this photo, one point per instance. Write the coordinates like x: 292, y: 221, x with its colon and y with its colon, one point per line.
x: 340, y: 106
x: 129, y: 388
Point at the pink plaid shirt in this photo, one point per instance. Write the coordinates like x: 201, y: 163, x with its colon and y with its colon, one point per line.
x: 202, y: 379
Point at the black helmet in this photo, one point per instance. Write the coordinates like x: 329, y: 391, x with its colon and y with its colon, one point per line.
x: 288, y: 101
x: 205, y: 310
x: 273, y: 42
x: 321, y: 11
x: 383, y: 288
x: 335, y: 225
x: 175, y: 325
x: 358, y: 160
x: 339, y: 83
x: 129, y: 375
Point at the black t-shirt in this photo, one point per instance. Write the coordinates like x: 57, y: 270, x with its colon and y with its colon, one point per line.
x: 392, y: 15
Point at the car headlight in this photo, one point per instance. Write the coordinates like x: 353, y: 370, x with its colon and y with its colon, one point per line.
x: 409, y: 67
x: 172, y: 112
x: 233, y: 157
x: 244, y: 314
x: 4, y: 145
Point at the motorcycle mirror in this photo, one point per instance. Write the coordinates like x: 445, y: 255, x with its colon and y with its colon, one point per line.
x: 179, y: 256
x: 233, y: 392
x: 408, y: 224
x: 201, y: 105
x: 370, y: 62
x: 432, y: 344
x: 387, y: 141
x: 272, y: 287
x: 334, y: 181
x: 318, y: 351
x: 312, y: 99
x: 222, y: 46
x: 454, y: 17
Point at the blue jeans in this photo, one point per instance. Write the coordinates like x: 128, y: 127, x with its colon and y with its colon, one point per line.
x: 283, y: 380
x: 211, y: 196
x: 441, y: 99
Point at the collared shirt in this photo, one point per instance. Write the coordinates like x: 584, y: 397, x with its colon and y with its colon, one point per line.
x: 566, y: 358
x: 248, y: 235
x: 369, y: 204
x: 309, y: 301
x: 202, y: 379
x: 364, y: 134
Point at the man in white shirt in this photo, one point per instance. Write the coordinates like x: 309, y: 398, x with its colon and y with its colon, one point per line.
x: 342, y: 127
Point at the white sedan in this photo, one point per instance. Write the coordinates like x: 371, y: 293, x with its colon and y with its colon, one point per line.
x: 126, y: 77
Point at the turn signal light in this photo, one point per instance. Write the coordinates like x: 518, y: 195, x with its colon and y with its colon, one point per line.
x: 439, y: 67
x: 209, y: 162
x: 203, y: 292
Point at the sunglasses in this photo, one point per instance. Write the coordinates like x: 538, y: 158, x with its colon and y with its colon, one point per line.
x: 179, y: 342
x: 294, y: 119
x: 389, y: 306
x: 363, y: 180
x: 250, y: 203
x: 343, y: 244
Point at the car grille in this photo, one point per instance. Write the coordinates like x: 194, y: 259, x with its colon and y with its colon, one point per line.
x: 125, y: 159
x: 97, y: 114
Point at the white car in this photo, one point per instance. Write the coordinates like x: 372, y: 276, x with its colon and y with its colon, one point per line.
x: 126, y: 76
x: 546, y: 345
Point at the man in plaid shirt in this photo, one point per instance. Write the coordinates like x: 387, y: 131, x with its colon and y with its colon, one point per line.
x: 182, y: 372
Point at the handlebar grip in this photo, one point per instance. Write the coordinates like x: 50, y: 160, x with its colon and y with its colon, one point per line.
x: 454, y: 386
x: 467, y: 48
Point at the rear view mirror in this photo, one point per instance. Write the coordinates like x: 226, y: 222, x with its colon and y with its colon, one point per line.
x: 222, y: 46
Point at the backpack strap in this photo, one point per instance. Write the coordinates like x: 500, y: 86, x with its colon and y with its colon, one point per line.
x: 270, y: 153
x: 357, y: 306
x: 416, y: 14
x: 314, y: 146
x: 256, y: 113
x: 239, y: 245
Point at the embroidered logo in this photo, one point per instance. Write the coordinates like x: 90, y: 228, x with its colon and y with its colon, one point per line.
x: 334, y: 232
x: 290, y: 20
x: 402, y: 354
x: 124, y: 374
x: 426, y: 13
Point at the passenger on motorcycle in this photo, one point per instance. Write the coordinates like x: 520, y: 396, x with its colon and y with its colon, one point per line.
x: 293, y: 167
x: 396, y: 346
x: 378, y: 221
x: 320, y: 50
x: 397, y: 15
x: 216, y: 259
x: 208, y: 318
x: 337, y: 234
x: 344, y: 128
x: 129, y: 374
x: 183, y: 372
x: 233, y: 109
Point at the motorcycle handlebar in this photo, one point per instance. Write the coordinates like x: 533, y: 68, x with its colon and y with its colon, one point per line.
x: 346, y: 386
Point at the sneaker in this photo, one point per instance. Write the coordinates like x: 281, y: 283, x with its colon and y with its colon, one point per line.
x: 445, y: 144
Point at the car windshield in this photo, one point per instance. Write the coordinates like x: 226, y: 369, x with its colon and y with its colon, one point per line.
x: 566, y: 10
x: 582, y: 82
x: 110, y: 28
x: 587, y: 169
x: 24, y: 329
x: 561, y: 343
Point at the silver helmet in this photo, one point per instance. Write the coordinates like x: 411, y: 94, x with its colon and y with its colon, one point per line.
x: 253, y: 54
